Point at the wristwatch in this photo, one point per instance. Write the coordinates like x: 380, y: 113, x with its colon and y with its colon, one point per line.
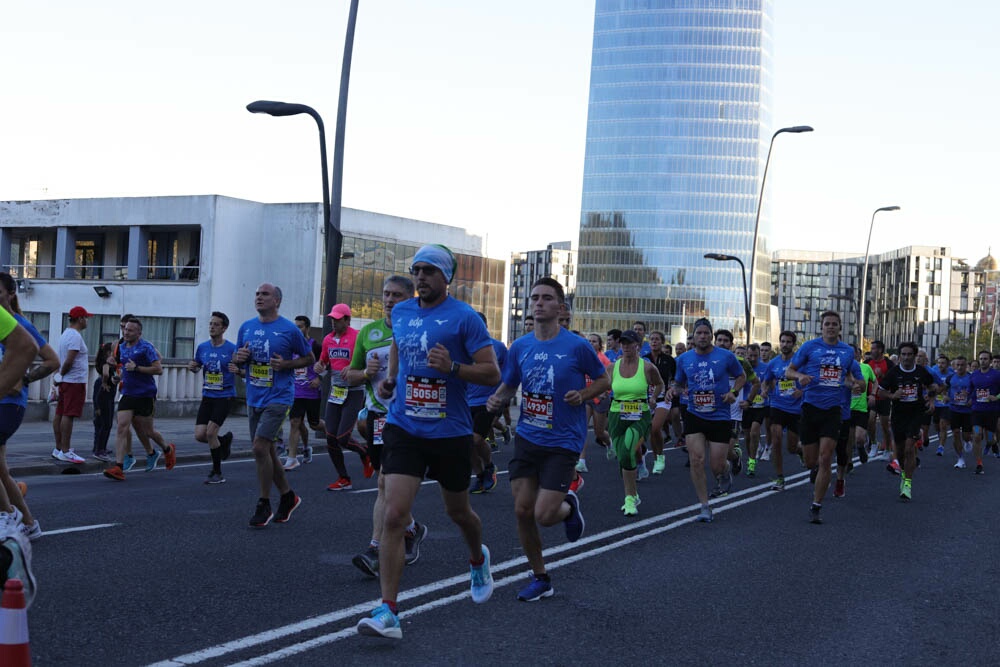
x: 454, y: 369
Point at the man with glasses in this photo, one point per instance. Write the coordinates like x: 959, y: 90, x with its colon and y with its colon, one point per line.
x: 439, y: 345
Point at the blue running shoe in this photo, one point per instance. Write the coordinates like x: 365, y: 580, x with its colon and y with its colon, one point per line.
x: 381, y: 623
x: 482, y: 579
x: 536, y: 590
x: 152, y: 460
x: 128, y: 462
x: 573, y: 522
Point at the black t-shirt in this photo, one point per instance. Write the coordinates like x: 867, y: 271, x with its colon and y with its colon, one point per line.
x: 667, y: 366
x: 913, y: 384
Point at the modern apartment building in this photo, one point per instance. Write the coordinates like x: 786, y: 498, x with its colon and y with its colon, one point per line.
x: 557, y: 260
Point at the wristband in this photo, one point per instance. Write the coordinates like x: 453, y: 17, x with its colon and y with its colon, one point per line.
x: 455, y: 366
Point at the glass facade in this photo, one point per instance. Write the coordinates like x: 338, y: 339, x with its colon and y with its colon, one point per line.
x: 366, y: 263
x: 677, y: 130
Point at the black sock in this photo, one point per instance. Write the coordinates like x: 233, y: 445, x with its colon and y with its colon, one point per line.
x: 216, y: 459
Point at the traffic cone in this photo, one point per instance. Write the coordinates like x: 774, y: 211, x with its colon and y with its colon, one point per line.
x: 15, y: 651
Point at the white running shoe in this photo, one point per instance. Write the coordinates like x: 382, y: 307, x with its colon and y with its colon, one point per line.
x: 291, y: 463
x: 960, y: 463
x: 70, y: 457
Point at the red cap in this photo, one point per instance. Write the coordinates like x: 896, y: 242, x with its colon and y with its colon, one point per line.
x: 79, y: 311
x: 340, y: 311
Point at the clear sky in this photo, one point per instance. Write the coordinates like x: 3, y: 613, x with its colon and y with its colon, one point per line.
x: 474, y: 113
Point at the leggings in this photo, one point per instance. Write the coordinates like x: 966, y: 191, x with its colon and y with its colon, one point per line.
x: 340, y: 419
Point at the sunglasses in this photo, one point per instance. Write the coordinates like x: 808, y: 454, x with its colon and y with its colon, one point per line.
x: 426, y: 269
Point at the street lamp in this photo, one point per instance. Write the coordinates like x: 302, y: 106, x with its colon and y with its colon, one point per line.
x: 795, y: 129
x: 864, y: 276
x: 719, y: 257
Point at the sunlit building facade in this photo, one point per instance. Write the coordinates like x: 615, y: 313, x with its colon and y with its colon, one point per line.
x: 678, y: 119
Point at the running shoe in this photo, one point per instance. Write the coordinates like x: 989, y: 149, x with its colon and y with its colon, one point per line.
x: 576, y: 484
x: 170, y: 457
x: 862, y: 454
x: 367, y: 561
x: 481, y: 587
x: 906, y: 489
x: 705, y: 515
x: 369, y: 469
x: 813, y: 473
x: 838, y: 489
x: 381, y: 623
x: 128, y: 462
x: 291, y: 463
x: 766, y: 454
x: 979, y: 469
x: 642, y: 472
x: 536, y: 589
x: 751, y: 467
x: 814, y: 513
x: 940, y: 450
x: 56, y: 453
x: 737, y: 465
x: 115, y: 472
x: 32, y: 532
x: 660, y: 464
x: 960, y: 463
x: 631, y: 507
x: 893, y: 467
x: 152, y: 460
x: 919, y: 444
x: 477, y: 484
x: 262, y: 515
x: 71, y: 457
x: 581, y: 466
x: 778, y: 484
x: 307, y: 454
x: 412, y: 540
x: 226, y: 442
x: 574, y: 523
x: 215, y: 478
x: 489, y: 478
x: 506, y: 435
x: 103, y: 456
x: 609, y: 452
x: 342, y: 484
x: 288, y: 503
x: 491, y: 440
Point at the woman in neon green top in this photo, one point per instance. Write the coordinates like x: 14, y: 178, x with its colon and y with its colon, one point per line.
x: 629, y: 418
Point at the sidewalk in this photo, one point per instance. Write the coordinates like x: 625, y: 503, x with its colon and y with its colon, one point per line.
x: 29, y: 451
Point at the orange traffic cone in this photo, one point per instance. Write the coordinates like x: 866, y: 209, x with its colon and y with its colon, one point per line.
x: 15, y: 651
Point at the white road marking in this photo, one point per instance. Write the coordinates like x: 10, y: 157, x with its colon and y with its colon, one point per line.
x: 77, y: 529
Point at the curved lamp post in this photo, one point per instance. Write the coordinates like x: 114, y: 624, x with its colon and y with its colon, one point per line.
x: 719, y: 257
x: 795, y: 129
x: 864, y: 276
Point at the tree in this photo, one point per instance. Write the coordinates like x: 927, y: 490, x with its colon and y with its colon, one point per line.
x: 959, y: 345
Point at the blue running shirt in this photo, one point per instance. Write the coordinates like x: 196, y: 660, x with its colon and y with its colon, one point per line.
x: 941, y: 380
x: 960, y: 393
x: 135, y: 383
x: 546, y: 370
x: 782, y: 396
x: 828, y: 365
x: 478, y: 394
x: 428, y: 403
x: 218, y: 381
x: 266, y: 386
x: 707, y: 379
x: 985, y: 384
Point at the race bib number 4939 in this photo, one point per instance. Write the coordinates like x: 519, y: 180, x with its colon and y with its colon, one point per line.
x: 537, y: 409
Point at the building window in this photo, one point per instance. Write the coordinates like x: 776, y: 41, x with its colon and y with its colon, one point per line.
x: 40, y: 321
x: 87, y: 259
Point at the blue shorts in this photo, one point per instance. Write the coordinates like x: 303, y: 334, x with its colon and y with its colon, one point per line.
x: 11, y: 415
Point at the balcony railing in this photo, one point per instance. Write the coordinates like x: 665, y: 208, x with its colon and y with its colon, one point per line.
x: 32, y: 270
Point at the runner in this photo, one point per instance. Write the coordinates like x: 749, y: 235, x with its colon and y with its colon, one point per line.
x: 754, y: 406
x: 960, y: 393
x: 552, y: 367
x: 614, y: 346
x: 827, y: 364
x: 941, y: 419
x: 659, y: 355
x: 911, y: 388
x: 439, y: 344
x: 529, y: 324
x: 985, y: 390
x: 785, y: 397
x: 369, y: 365
x: 635, y: 383
x: 345, y: 401
x: 266, y: 346
x: 639, y: 328
x: 704, y: 371
x: 12, y: 406
x: 724, y: 339
x: 766, y: 354
x: 219, y: 386
x: 879, y: 417
x: 597, y: 408
x: 306, y: 405
x: 860, y: 405
x: 482, y: 425
x: 140, y: 361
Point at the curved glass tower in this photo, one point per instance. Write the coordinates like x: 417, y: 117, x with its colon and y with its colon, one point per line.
x: 677, y: 131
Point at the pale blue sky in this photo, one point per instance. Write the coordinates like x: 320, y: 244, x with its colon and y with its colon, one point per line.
x: 474, y: 113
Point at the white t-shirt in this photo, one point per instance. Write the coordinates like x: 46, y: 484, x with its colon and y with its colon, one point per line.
x: 72, y: 340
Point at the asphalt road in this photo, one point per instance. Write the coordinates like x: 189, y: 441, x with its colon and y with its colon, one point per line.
x: 175, y: 576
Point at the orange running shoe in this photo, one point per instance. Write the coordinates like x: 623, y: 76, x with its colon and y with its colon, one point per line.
x: 170, y: 456
x: 115, y: 473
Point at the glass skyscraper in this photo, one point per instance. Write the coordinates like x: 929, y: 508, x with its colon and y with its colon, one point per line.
x: 677, y: 130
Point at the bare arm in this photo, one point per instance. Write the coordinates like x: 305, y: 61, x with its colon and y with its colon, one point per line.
x: 482, y: 370
x: 20, y: 351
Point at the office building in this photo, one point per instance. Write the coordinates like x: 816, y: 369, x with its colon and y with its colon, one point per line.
x: 557, y: 260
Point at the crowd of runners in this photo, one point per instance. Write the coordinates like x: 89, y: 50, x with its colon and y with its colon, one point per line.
x: 429, y: 391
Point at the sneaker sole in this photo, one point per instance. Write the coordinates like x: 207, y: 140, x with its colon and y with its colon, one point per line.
x: 298, y: 501
x: 369, y: 629
x: 262, y: 525
x: 362, y: 564
x: 117, y: 479
x: 547, y: 594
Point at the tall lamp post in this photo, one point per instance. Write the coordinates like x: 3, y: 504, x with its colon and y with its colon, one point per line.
x: 719, y: 257
x: 795, y: 129
x: 864, y: 276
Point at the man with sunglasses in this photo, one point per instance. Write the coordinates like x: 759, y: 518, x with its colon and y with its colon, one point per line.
x: 439, y: 345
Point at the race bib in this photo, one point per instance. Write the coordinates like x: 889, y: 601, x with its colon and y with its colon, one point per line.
x: 213, y: 381
x: 703, y: 401
x: 941, y: 398
x: 537, y: 409
x: 908, y: 393
x: 261, y: 375
x: 301, y: 374
x: 961, y: 397
x: 786, y: 387
x: 631, y: 411
x: 426, y: 398
x: 982, y: 395
x: 378, y: 427
x: 758, y: 401
x: 829, y: 376
x: 338, y: 395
